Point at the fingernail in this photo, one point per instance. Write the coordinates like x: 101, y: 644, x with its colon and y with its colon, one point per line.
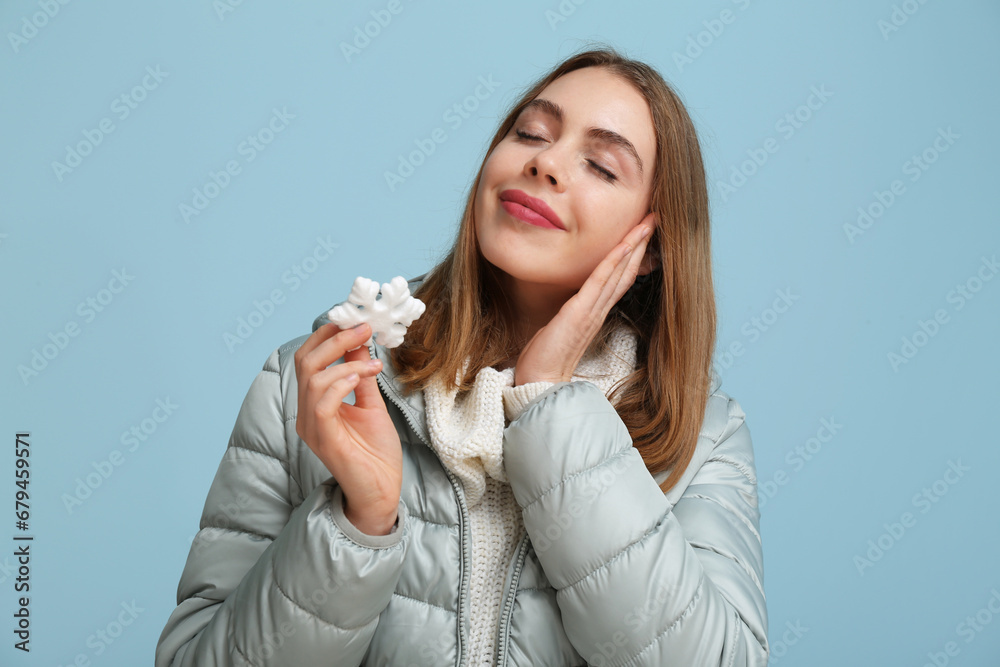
x: 374, y: 363
x: 645, y: 232
x: 359, y: 327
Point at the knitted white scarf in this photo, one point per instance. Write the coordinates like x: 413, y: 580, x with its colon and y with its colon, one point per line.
x: 467, y: 433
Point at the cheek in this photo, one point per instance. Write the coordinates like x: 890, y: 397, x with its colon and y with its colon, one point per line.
x: 611, y: 219
x: 487, y: 183
x: 479, y: 204
x: 629, y: 208
x: 494, y: 163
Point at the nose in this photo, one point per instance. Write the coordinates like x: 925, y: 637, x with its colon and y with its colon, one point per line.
x: 547, y: 163
x: 551, y: 178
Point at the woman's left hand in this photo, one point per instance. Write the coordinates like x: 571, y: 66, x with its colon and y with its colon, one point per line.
x: 556, y: 349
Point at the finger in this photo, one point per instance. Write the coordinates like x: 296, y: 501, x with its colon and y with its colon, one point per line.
x: 634, y: 259
x: 313, y: 341
x: 620, y: 271
x: 329, y: 404
x: 315, y: 422
x: 600, y: 286
x: 366, y: 393
x: 621, y: 254
x: 581, y: 316
x: 630, y: 272
x: 322, y: 351
x: 638, y: 239
x: 320, y: 383
x: 360, y: 353
x: 626, y: 274
x: 602, y: 289
x: 349, y: 340
x: 599, y: 277
x: 303, y: 374
x: 335, y: 347
x: 650, y: 221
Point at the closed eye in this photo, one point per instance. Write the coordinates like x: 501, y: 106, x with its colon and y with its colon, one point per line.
x: 605, y: 174
x: 529, y: 137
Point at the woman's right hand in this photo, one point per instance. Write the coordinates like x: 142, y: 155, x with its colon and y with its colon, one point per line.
x: 358, y: 443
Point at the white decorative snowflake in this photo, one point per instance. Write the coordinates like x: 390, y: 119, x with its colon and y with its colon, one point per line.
x: 388, y: 316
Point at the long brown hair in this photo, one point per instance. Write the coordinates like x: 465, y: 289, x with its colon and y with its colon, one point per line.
x: 672, y: 311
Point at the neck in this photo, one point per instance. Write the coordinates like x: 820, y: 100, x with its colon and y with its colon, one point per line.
x: 533, y: 305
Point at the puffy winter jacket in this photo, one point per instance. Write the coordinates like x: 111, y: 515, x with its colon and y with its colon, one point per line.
x: 612, y: 571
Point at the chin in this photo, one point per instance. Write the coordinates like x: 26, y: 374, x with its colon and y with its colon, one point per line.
x: 541, y: 280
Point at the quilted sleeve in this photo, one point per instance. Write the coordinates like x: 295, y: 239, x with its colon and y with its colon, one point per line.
x: 640, y: 582
x: 266, y: 583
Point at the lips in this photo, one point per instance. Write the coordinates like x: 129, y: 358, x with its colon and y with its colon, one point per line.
x: 534, y: 211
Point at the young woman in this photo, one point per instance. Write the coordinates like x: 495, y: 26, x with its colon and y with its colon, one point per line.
x: 545, y: 472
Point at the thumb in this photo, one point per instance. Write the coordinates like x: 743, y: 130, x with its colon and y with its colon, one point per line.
x: 367, y: 394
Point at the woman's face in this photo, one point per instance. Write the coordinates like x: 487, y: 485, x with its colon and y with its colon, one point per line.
x: 578, y: 148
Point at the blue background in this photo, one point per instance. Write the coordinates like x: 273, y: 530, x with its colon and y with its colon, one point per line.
x: 855, y: 296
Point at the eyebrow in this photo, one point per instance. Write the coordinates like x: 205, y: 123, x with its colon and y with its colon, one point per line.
x: 599, y: 133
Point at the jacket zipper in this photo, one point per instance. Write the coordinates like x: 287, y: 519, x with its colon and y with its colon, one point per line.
x: 508, y: 604
x: 463, y: 518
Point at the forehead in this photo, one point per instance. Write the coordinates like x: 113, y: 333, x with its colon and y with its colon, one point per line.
x: 596, y: 97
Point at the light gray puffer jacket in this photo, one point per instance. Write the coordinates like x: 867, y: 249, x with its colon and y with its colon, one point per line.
x: 612, y: 571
